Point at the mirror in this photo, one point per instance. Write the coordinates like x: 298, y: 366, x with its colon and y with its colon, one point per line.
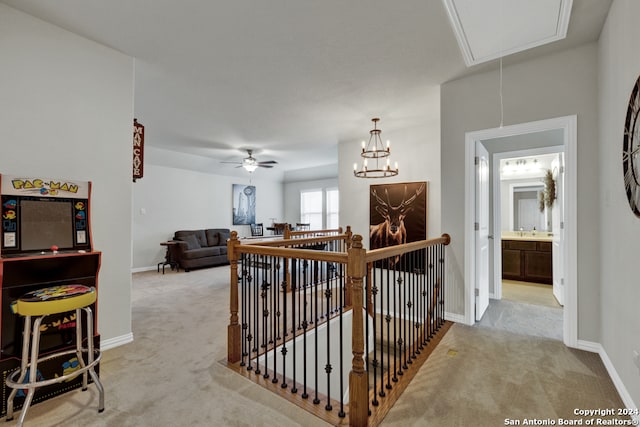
x: 526, y: 208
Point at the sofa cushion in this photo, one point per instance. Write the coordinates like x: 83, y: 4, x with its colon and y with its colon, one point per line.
x: 191, y: 241
x: 212, y: 237
x: 201, y: 252
x: 223, y: 236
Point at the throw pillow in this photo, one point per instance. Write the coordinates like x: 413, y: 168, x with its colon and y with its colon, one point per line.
x: 192, y: 241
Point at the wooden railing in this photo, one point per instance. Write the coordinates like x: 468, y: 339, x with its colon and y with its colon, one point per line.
x: 291, y: 298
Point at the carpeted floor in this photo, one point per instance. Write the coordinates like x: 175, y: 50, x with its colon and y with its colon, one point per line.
x: 171, y: 375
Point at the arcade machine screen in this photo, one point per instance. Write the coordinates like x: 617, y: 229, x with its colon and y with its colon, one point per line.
x: 45, y: 223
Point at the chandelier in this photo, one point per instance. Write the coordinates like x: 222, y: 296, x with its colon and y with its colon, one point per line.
x: 377, y: 152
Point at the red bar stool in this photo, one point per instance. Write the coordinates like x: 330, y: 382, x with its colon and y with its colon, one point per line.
x: 42, y: 303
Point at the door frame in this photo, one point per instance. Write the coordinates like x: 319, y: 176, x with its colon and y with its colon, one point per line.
x: 568, y: 124
x: 497, y: 202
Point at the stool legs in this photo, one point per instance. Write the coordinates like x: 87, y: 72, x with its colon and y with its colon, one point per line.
x: 90, y: 354
x: 24, y: 365
x: 29, y: 362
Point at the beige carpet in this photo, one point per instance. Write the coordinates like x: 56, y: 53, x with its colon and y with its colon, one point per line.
x: 171, y: 375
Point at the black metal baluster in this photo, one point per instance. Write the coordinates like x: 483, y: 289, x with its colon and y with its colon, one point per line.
x: 441, y: 294
x: 305, y: 326
x: 328, y: 368
x: 256, y: 342
x: 316, y: 400
x: 275, y: 279
x: 284, y: 350
x: 341, y: 413
x: 405, y: 321
x: 295, y: 289
x: 272, y: 297
x: 265, y: 314
x: 430, y: 290
x: 409, y: 321
x: 397, y: 322
x: 243, y: 302
x: 417, y: 309
x: 384, y: 285
x: 423, y: 294
x: 389, y: 318
x: 253, y: 318
x: 374, y: 362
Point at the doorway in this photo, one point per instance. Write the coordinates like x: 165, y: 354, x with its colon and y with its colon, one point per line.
x: 566, y: 127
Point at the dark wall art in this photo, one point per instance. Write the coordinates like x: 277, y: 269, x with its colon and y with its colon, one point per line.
x: 244, y: 204
x: 397, y: 214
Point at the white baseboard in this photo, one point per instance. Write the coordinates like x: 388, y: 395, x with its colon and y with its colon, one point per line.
x: 141, y: 269
x: 595, y: 347
x: 591, y: 347
x: 116, y: 342
x: 454, y: 317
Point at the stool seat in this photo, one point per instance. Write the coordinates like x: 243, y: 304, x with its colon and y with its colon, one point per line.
x: 53, y: 300
x: 34, y: 307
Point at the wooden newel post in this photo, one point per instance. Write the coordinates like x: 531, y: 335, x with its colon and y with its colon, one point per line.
x: 349, y: 234
x: 358, y: 385
x: 233, y: 330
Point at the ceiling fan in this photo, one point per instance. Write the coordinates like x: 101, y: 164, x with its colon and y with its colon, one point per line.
x: 251, y: 163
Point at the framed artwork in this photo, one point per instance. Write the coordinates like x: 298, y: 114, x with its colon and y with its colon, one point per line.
x: 397, y: 213
x: 244, y: 204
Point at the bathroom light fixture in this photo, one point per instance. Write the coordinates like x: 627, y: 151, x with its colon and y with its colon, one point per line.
x: 376, y: 151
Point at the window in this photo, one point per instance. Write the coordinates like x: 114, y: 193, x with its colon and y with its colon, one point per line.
x: 320, y: 208
x: 311, y: 208
x: 333, y: 208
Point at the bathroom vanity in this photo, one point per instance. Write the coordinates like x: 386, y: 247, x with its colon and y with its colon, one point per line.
x: 527, y: 257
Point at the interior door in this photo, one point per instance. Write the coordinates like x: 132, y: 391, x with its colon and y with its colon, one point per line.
x: 557, y: 228
x: 482, y: 230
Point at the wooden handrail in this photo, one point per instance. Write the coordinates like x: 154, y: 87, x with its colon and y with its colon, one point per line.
x: 288, y: 233
x: 294, y: 242
x: 309, y: 254
x: 390, y: 251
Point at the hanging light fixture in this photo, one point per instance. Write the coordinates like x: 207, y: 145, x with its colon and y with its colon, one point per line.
x: 377, y: 152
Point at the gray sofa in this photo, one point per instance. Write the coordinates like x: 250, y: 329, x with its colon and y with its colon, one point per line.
x: 201, y: 248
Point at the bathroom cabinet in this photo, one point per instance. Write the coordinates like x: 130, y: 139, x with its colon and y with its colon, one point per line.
x: 527, y: 261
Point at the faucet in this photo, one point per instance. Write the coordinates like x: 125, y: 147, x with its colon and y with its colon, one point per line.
x: 521, y: 231
x: 533, y: 232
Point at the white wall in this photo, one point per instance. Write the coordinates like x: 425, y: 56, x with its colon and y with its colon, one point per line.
x: 619, y: 236
x: 66, y: 111
x: 169, y: 199
x: 541, y: 88
x: 417, y: 151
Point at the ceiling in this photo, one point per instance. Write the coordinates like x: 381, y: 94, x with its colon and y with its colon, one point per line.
x: 287, y: 78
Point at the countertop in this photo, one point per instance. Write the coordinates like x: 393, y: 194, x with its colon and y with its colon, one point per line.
x: 527, y: 236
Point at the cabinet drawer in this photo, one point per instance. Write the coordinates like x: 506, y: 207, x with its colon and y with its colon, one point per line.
x: 544, y: 246
x: 521, y: 245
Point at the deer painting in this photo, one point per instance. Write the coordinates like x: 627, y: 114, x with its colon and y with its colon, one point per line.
x: 391, y: 231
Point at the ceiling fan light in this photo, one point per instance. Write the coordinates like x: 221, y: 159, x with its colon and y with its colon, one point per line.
x: 250, y: 167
